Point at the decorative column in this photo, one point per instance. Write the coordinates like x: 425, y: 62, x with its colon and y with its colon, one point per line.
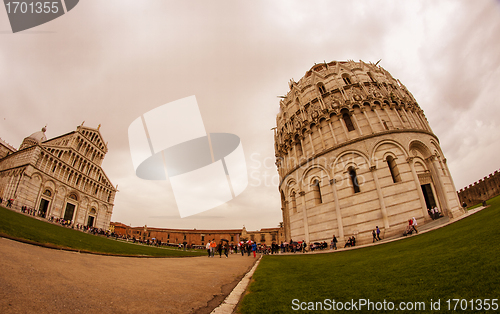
x: 39, y: 197
x: 304, y: 212
x: 439, y: 184
x: 373, y: 170
x: 52, y: 204
x: 417, y: 186
x: 414, y: 120
x: 321, y: 137
x: 302, y: 147
x: 367, y: 119
x: 389, y: 116
x: 312, y: 144
x: 286, y: 221
x: 321, y: 103
x: 331, y: 131
x: 452, y: 183
x: 357, y: 124
x: 408, y: 118
x: 379, y: 120
x: 337, y: 210
x: 342, y: 122
x: 294, y: 147
x: 423, y: 121
x: 399, y: 117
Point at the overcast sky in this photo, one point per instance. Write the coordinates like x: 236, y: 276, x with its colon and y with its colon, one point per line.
x: 108, y: 62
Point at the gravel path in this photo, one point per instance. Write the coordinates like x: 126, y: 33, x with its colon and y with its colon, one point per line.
x: 39, y: 280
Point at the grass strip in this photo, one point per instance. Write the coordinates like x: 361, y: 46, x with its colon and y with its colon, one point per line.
x: 458, y: 261
x: 20, y: 226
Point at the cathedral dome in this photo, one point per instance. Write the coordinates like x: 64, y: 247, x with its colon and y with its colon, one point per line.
x: 33, y: 139
x: 39, y: 136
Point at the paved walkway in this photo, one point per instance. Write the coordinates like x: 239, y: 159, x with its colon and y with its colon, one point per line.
x: 39, y: 280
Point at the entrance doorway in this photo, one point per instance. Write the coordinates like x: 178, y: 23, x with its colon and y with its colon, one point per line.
x: 90, y: 222
x: 428, y: 196
x: 70, y: 209
x: 44, y: 204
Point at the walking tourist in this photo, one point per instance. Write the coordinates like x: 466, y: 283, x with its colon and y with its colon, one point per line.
x: 219, y: 248
x: 254, y: 249
x: 378, y: 233
x: 213, y: 245
x: 415, y: 225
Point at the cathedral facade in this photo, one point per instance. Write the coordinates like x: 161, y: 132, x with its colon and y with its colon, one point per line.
x: 60, y: 177
x: 354, y: 151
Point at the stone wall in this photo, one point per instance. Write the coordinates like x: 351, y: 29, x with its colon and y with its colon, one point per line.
x: 481, y: 190
x: 200, y: 237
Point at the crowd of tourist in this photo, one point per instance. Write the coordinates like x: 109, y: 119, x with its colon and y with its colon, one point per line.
x: 30, y: 211
x: 434, y: 213
x: 9, y: 202
x: 224, y: 247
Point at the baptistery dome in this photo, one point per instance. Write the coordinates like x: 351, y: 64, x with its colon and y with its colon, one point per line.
x: 354, y: 151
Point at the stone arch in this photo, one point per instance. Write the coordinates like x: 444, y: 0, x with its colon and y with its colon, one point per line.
x: 61, y: 190
x: 50, y: 184
x: 74, y: 195
x: 346, y: 116
x: 387, y: 141
x: 420, y: 166
x: 348, y: 161
x: 312, y: 167
x: 389, y: 154
x: 419, y: 147
x: 321, y: 88
x: 48, y: 192
x: 432, y: 185
x: 347, y: 79
x: 437, y: 148
x: 353, y: 152
x: 290, y: 183
x: 37, y: 177
x: 94, y: 204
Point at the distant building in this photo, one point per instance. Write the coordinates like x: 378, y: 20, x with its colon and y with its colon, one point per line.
x: 60, y: 177
x: 355, y: 151
x: 200, y: 237
x: 482, y: 190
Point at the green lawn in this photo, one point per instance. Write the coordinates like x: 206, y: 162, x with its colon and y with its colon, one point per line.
x: 26, y: 227
x: 459, y: 261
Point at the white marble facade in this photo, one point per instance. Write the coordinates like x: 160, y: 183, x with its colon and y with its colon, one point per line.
x: 62, y: 177
x: 355, y: 151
